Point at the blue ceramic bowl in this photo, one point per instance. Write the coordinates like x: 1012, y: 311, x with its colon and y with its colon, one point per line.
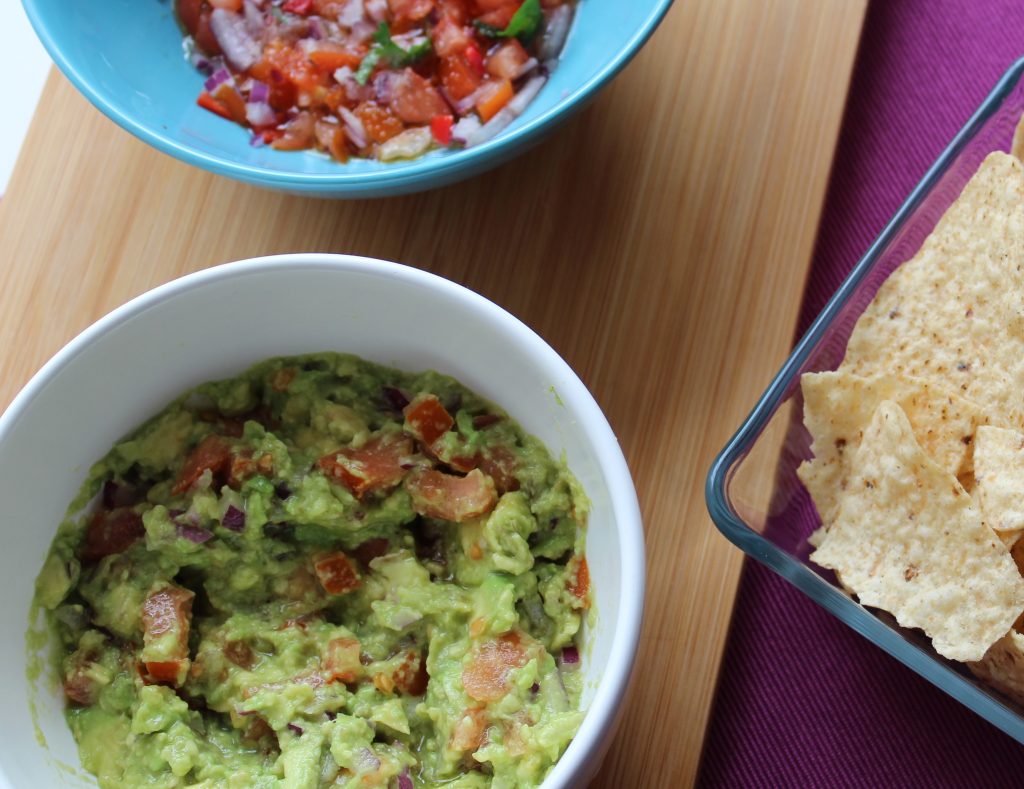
x: 126, y: 57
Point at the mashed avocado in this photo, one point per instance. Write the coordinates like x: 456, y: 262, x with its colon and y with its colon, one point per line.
x: 322, y: 573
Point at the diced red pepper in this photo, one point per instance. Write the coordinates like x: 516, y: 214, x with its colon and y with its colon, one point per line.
x: 300, y: 7
x: 426, y: 417
x: 335, y: 572
x: 475, y: 59
x: 441, y: 128
x: 208, y: 102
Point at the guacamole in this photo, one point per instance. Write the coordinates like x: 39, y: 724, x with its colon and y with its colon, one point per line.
x: 323, y: 572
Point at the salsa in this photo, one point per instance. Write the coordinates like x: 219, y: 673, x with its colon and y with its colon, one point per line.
x: 323, y: 572
x: 381, y: 79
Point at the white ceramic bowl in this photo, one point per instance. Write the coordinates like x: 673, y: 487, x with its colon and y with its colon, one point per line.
x: 216, y: 323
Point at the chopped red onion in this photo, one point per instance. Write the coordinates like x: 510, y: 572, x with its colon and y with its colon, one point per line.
x: 259, y: 113
x: 405, y: 780
x: 464, y: 129
x: 352, y: 14
x: 117, y: 495
x: 376, y: 9
x: 526, y: 68
x: 194, y: 533
x: 556, y: 30
x: 405, y: 617
x: 526, y: 94
x: 354, y: 129
x: 492, y: 128
x: 253, y: 19
x: 569, y: 660
x: 361, y: 31
x: 218, y: 78
x: 317, y: 29
x: 383, y: 85
x: 258, y: 92
x: 297, y: 729
x: 234, y: 38
x: 366, y: 760
x: 234, y: 519
x: 282, y: 491
x: 395, y: 398
x: 256, y: 141
x: 464, y: 105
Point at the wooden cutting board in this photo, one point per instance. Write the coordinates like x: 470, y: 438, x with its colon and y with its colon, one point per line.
x: 659, y: 241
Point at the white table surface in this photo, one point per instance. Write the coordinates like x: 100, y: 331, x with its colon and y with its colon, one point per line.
x: 21, y: 54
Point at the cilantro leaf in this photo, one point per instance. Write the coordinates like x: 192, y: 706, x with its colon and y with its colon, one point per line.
x: 524, y: 23
x: 385, y: 49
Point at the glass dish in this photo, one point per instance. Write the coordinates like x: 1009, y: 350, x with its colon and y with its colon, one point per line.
x: 753, y: 493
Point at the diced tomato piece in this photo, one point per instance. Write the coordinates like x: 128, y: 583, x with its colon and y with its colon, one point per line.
x: 342, y: 663
x: 414, y: 99
x: 300, y: 7
x: 426, y: 417
x: 189, y: 12
x: 79, y: 686
x: 405, y: 13
x: 448, y: 497
x: 475, y: 59
x: 411, y: 676
x: 468, y: 732
x: 229, y: 98
x: 380, y: 124
x: 441, y: 128
x: 450, y: 37
x: 496, y: 95
x: 457, y: 77
x: 111, y: 532
x: 227, y: 5
x: 166, y: 619
x: 331, y: 57
x: 483, y: 6
x: 376, y: 465
x: 298, y: 134
x: 455, y: 11
x: 508, y: 60
x: 330, y: 137
x: 213, y: 454
x: 485, y: 676
x: 579, y: 586
x: 500, y: 463
x: 208, y: 102
x: 335, y: 572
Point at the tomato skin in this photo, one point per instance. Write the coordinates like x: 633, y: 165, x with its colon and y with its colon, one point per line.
x: 580, y: 585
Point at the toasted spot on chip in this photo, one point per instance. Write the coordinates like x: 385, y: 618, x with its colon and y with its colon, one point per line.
x: 999, y: 480
x: 838, y: 407
x: 966, y: 592
x: 952, y: 314
x: 1003, y: 666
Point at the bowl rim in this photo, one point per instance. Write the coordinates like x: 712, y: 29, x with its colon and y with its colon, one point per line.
x: 399, y: 174
x: 601, y: 713
x: 798, y: 574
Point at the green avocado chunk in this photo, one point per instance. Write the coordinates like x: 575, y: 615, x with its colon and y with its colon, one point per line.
x: 322, y: 572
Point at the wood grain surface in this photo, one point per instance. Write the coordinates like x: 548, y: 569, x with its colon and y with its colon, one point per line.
x: 659, y: 241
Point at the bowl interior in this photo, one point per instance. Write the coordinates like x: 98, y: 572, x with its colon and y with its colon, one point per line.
x: 127, y: 58
x: 217, y: 323
x: 753, y: 491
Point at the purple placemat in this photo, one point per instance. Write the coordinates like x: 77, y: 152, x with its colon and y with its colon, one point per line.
x: 802, y: 699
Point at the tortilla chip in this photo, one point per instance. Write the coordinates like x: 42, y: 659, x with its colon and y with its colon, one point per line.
x: 999, y: 480
x: 1003, y: 666
x: 952, y: 314
x: 908, y: 539
x: 838, y: 408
